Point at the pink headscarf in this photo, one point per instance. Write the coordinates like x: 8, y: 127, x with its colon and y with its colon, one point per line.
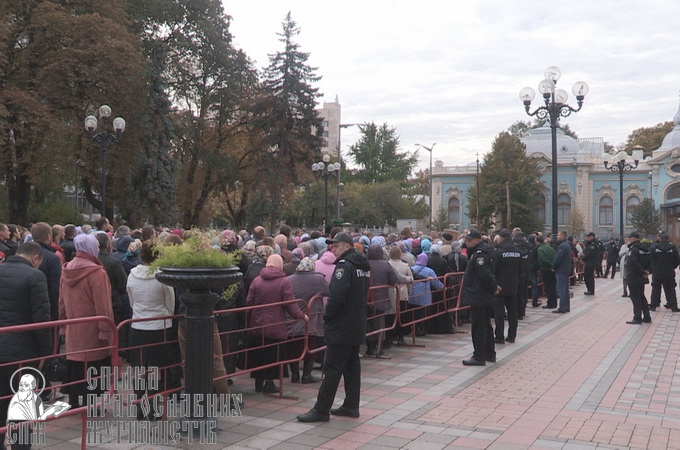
x: 282, y: 240
x: 275, y: 261
x: 87, y: 243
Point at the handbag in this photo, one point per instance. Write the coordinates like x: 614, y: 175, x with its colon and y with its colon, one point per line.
x: 56, y: 369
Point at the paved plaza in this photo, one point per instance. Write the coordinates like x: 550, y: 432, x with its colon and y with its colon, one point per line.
x: 584, y: 379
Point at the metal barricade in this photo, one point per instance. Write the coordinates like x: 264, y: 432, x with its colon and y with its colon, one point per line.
x: 87, y: 377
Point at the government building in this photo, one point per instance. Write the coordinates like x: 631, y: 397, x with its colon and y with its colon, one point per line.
x: 583, y: 184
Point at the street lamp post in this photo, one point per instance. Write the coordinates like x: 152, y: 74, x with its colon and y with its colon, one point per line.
x: 104, y: 139
x: 555, y: 107
x: 429, y: 220
x: 621, y: 165
x: 339, y: 184
x: 325, y: 169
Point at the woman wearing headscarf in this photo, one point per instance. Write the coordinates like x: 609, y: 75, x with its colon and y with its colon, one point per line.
x: 282, y: 242
x: 267, y: 326
x: 421, y: 295
x: 85, y: 291
x: 257, y: 263
x: 289, y: 267
x: 306, y: 284
x: 150, y: 298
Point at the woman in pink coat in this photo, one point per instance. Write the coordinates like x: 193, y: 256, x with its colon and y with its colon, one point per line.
x: 85, y: 291
x: 267, y: 326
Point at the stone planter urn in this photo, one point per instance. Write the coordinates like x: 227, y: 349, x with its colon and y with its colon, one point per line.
x: 199, y: 319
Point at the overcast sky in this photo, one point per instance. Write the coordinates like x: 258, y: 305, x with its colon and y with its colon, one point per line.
x: 450, y: 71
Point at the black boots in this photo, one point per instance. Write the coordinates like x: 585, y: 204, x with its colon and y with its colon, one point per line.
x: 295, y: 372
x: 307, y: 373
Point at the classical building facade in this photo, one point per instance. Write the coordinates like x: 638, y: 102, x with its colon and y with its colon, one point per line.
x: 584, y: 184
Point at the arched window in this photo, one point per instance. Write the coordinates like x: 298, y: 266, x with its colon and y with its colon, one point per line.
x: 563, y: 209
x: 606, y: 211
x: 454, y: 210
x: 539, y: 207
x: 673, y: 193
x: 631, y: 204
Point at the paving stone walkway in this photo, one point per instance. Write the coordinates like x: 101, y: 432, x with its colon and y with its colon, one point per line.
x: 584, y: 379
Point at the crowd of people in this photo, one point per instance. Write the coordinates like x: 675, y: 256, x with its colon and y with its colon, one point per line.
x: 53, y: 272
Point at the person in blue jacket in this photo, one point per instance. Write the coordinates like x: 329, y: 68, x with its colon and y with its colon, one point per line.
x: 422, y: 290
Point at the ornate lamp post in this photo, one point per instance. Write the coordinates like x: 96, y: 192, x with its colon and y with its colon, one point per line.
x: 325, y: 169
x: 621, y: 165
x: 104, y: 139
x: 555, y: 107
x: 429, y: 220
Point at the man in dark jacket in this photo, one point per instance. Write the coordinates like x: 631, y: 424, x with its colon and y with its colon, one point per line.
x: 520, y: 241
x: 637, y: 275
x: 590, y: 259
x: 23, y: 300
x: 51, y: 264
x: 612, y: 257
x: 345, y: 331
x: 117, y: 277
x: 562, y: 267
x: 665, y: 259
x: 479, y: 292
x: 67, y: 243
x: 508, y: 260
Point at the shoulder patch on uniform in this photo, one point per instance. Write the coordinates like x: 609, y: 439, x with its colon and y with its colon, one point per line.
x: 339, y: 273
x: 480, y: 261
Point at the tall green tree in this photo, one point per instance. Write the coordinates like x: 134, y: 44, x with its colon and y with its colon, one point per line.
x: 650, y: 138
x: 287, y: 117
x: 646, y: 218
x: 378, y: 157
x: 59, y: 60
x: 507, y: 162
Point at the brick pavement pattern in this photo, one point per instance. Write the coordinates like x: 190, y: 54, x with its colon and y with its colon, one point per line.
x: 584, y: 379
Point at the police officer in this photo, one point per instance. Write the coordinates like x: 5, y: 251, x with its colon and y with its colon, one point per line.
x: 520, y: 241
x: 479, y: 291
x: 637, y: 273
x: 590, y: 259
x: 665, y: 259
x: 508, y: 260
x: 345, y: 331
x: 612, y: 256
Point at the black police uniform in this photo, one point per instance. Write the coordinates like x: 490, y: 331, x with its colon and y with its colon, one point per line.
x: 636, y: 278
x: 665, y: 259
x: 479, y: 287
x: 590, y: 258
x: 508, y: 260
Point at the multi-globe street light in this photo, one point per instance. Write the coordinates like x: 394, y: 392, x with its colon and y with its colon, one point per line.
x: 555, y: 107
x: 429, y: 149
x: 621, y: 165
x: 325, y: 169
x: 104, y: 139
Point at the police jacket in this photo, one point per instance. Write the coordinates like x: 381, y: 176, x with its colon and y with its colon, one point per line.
x: 23, y: 300
x: 665, y: 259
x: 345, y: 315
x: 612, y: 252
x: 479, y: 283
x: 637, y: 264
x: 508, y: 260
x: 524, y: 266
x: 590, y: 253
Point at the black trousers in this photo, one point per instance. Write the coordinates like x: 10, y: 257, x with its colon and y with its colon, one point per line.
x: 589, y: 278
x: 482, y: 333
x: 640, y: 306
x: 669, y: 290
x: 611, y: 265
x: 522, y: 298
x: 550, y: 287
x: 341, y: 361
x: 508, y: 303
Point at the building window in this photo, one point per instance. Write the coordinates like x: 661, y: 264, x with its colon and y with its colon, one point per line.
x: 325, y: 134
x: 454, y: 210
x: 324, y: 123
x: 673, y: 193
x: 631, y: 204
x: 563, y: 209
x: 606, y: 211
x: 539, y: 207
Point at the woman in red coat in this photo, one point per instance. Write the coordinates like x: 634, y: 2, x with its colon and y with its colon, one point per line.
x: 267, y: 326
x: 85, y: 291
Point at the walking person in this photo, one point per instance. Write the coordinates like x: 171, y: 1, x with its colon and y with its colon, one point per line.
x: 479, y: 292
x: 637, y: 275
x: 665, y: 259
x: 345, y: 331
x: 612, y: 257
x: 562, y: 267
